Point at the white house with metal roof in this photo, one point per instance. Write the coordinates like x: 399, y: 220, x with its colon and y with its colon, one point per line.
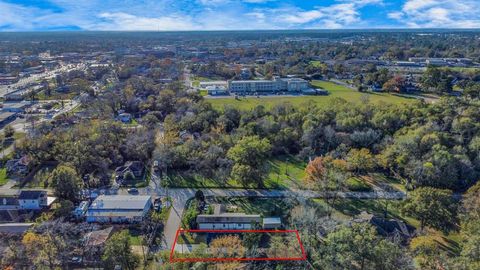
x: 119, y: 209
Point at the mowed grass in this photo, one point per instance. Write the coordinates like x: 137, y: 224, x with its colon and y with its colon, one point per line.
x: 3, y: 176
x: 283, y: 172
x: 335, y: 90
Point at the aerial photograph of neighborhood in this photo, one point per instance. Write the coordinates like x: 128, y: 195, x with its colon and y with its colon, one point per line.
x: 240, y: 134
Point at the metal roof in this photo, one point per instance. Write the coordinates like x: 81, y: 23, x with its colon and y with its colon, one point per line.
x: 272, y: 220
x: 228, y: 218
x: 120, y: 202
x: 31, y: 194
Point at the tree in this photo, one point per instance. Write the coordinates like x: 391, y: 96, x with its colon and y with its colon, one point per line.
x: 395, y: 84
x: 118, y: 252
x: 327, y: 175
x: 249, y: 155
x: 361, y: 160
x: 79, y: 86
x: 470, y: 229
x: 472, y: 90
x: 359, y: 247
x: 433, y: 207
x: 66, y: 183
x: 428, y: 253
x: 44, y: 249
x: 228, y: 246
x: 8, y: 131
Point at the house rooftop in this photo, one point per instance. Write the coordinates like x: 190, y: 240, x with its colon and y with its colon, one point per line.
x: 272, y: 220
x: 31, y: 194
x: 228, y: 218
x: 121, y: 202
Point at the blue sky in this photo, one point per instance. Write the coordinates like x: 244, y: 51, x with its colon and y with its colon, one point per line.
x: 44, y: 15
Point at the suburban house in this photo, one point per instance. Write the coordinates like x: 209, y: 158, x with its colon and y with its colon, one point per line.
x: 134, y: 168
x: 227, y: 221
x: 119, y: 209
x: 387, y: 227
x: 33, y: 199
x: 18, y: 166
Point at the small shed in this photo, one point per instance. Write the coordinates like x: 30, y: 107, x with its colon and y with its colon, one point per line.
x: 272, y: 223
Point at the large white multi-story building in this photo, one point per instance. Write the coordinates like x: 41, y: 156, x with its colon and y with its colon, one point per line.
x: 275, y: 85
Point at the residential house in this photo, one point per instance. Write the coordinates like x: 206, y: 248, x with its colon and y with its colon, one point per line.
x: 387, y: 227
x: 135, y: 168
x: 18, y: 166
x: 119, y: 209
x: 227, y: 221
x: 32, y: 199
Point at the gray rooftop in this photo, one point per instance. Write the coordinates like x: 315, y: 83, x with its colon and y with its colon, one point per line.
x: 272, y: 220
x: 130, y: 202
x: 229, y: 218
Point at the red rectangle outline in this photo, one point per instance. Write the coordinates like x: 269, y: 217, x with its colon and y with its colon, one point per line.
x: 173, y: 260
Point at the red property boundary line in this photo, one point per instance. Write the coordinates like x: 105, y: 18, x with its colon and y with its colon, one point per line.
x: 172, y: 259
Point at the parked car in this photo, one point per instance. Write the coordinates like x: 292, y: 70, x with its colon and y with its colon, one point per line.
x: 132, y: 190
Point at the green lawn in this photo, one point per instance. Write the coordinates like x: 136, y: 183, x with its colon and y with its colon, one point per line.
x: 462, y: 69
x: 55, y: 95
x: 136, y: 239
x: 345, y: 209
x: 358, y: 184
x: 3, y: 176
x: 284, y: 172
x: 335, y: 90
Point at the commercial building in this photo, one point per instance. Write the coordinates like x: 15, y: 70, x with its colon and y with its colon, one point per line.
x: 268, y: 86
x: 204, y: 85
x: 119, y: 209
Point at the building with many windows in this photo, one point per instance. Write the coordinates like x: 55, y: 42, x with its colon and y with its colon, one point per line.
x: 268, y: 86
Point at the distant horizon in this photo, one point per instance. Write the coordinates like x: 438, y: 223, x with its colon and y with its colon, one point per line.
x: 235, y: 15
x: 259, y: 30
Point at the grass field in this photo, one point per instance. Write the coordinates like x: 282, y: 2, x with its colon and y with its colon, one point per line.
x: 335, y: 90
x: 3, y: 176
x: 462, y: 69
x: 284, y: 172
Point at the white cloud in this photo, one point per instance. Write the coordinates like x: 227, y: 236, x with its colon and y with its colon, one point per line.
x: 397, y: 15
x: 342, y: 14
x: 126, y: 22
x: 439, y: 14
